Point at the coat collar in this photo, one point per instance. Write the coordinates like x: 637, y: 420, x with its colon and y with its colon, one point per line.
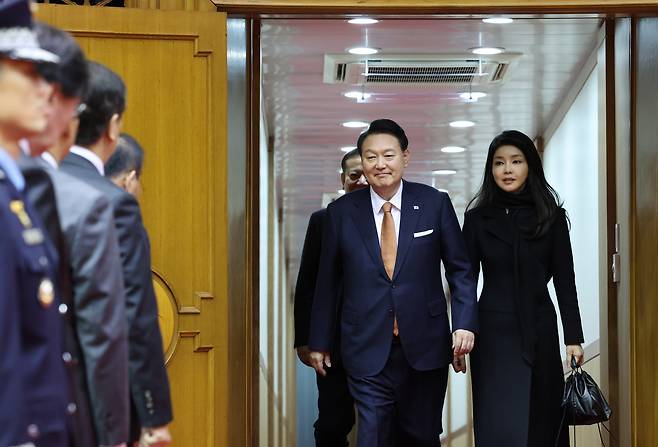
x: 497, y: 223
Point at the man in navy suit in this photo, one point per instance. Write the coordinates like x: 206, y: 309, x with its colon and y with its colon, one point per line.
x: 382, y: 249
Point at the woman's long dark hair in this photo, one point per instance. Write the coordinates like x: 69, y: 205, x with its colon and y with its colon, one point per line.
x: 544, y: 197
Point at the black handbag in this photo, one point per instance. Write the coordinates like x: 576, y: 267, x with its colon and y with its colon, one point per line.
x: 583, y: 402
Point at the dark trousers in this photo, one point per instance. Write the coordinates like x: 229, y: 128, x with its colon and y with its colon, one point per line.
x: 400, y: 406
x: 335, y: 408
x: 55, y: 439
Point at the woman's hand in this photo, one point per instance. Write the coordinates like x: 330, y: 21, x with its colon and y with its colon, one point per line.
x: 577, y: 352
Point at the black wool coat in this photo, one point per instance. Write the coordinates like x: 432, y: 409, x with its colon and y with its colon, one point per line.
x: 516, y: 362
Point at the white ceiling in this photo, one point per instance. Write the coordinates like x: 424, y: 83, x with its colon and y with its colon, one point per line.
x: 304, y: 115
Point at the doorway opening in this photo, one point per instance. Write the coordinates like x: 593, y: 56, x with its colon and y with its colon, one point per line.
x: 548, y: 81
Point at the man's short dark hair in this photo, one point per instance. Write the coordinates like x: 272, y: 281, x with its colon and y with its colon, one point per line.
x: 351, y: 154
x: 105, y: 97
x: 383, y: 126
x: 128, y: 156
x: 71, y: 74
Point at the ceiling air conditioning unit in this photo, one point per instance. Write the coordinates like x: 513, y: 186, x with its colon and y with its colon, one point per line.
x: 409, y: 69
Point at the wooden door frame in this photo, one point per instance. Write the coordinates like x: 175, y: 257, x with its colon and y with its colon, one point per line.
x: 411, y: 7
x: 255, y: 10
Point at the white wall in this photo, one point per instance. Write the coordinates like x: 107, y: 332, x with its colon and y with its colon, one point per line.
x: 575, y: 167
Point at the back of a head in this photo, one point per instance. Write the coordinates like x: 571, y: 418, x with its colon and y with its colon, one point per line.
x: 384, y: 126
x: 71, y: 74
x: 105, y: 97
x: 128, y: 156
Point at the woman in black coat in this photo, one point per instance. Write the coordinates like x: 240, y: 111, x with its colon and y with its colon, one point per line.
x: 516, y: 229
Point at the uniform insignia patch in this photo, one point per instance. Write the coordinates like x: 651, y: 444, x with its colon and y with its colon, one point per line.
x: 33, y: 236
x: 18, y: 208
x: 46, y: 293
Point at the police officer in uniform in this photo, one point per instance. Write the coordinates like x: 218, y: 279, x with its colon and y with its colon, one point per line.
x: 33, y: 387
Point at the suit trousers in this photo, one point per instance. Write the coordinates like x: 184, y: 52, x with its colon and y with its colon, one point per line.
x: 335, y: 408
x: 400, y: 406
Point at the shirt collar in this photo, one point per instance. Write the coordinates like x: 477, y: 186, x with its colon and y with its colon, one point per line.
x: 89, y: 156
x: 25, y: 146
x: 10, y: 167
x: 48, y: 158
x: 377, y: 201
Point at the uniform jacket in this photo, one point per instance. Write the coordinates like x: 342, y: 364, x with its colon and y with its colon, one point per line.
x: 148, y: 382
x: 429, y: 235
x: 33, y: 385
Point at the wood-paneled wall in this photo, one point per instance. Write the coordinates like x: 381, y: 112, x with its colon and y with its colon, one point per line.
x: 644, y: 268
x: 174, y: 67
x: 172, y: 5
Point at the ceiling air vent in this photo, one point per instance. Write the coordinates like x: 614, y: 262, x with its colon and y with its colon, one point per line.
x: 448, y: 70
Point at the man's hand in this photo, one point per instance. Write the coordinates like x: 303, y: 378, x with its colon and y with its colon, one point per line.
x: 577, y: 352
x: 462, y: 342
x: 155, y: 437
x: 304, y: 355
x: 318, y: 360
x: 459, y: 364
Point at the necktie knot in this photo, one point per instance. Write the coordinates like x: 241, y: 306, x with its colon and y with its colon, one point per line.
x: 387, y: 206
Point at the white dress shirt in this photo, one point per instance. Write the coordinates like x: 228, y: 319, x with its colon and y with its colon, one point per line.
x: 48, y: 158
x: 90, y: 156
x: 377, y: 203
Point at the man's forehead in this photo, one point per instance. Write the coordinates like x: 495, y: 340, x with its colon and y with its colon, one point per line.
x: 353, y: 163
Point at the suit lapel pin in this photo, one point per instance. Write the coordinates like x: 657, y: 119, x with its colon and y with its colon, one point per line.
x: 416, y: 207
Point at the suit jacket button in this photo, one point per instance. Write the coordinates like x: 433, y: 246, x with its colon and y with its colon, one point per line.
x: 63, y: 308
x: 67, y: 357
x: 394, y: 286
x: 71, y: 408
x: 390, y: 311
x: 33, y: 431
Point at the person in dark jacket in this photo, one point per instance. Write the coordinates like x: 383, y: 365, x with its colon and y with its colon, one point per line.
x: 78, y: 219
x: 96, y: 140
x: 335, y: 403
x: 33, y: 386
x: 517, y: 230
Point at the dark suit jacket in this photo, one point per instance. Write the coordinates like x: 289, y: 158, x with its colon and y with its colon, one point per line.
x: 351, y: 253
x: 149, y: 385
x: 91, y: 282
x: 308, y: 271
x: 33, y: 386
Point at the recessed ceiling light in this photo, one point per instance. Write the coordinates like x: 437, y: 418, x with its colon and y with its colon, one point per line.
x: 444, y: 172
x: 487, y: 51
x: 363, y: 21
x: 498, y: 20
x: 355, y: 124
x: 347, y: 148
x: 462, y: 123
x: 472, y: 96
x: 452, y: 149
x: 363, y: 50
x: 357, y: 95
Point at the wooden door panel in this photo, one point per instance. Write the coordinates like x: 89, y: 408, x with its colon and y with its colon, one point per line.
x: 174, y: 66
